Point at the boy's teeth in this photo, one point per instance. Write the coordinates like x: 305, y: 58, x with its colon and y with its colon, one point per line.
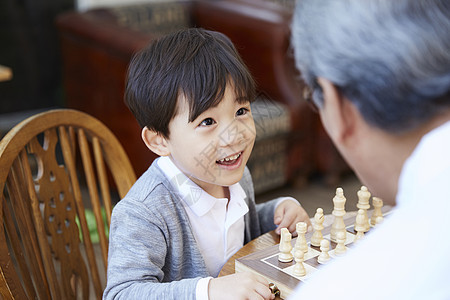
x: 230, y: 158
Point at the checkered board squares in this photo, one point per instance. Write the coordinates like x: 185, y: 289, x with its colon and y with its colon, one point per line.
x: 310, y: 258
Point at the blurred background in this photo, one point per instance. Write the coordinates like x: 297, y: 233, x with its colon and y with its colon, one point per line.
x: 74, y: 54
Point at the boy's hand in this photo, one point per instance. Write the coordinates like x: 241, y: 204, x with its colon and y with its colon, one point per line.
x: 244, y: 285
x: 288, y: 214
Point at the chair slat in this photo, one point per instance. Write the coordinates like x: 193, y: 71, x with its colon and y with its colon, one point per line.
x: 72, y: 141
x: 14, y: 241
x: 103, y: 178
x: 59, y: 217
x: 5, y: 292
x: 33, y: 209
x: 49, y: 273
x: 23, y: 218
x: 68, y: 158
x: 93, y: 192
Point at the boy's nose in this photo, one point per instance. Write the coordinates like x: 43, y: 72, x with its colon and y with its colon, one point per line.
x: 235, y: 133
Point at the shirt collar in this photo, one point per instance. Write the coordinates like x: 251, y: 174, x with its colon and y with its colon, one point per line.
x: 193, y: 196
x: 427, y: 159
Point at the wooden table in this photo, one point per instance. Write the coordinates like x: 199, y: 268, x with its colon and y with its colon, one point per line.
x: 266, y: 240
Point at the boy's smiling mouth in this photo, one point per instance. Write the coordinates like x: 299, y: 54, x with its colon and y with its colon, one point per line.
x: 229, y: 160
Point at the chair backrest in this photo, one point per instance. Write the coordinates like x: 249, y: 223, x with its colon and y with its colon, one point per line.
x: 55, y: 168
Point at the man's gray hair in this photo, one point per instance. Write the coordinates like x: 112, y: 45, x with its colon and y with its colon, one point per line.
x: 391, y: 58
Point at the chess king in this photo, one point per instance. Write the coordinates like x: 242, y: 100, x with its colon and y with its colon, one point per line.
x: 378, y: 72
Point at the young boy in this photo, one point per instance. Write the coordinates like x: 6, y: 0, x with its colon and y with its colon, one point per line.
x: 194, y: 207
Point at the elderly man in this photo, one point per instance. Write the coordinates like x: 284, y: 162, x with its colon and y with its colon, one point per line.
x: 379, y: 73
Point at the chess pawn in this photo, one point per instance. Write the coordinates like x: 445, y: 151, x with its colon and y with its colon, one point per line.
x: 318, y: 226
x: 338, y: 213
x: 359, y: 225
x: 299, y: 268
x: 340, y: 247
x: 324, y: 256
x: 301, y: 243
x: 285, y: 247
x: 363, y: 203
x: 377, y: 204
x: 379, y: 220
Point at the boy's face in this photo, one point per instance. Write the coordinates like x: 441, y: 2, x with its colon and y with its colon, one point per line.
x: 213, y: 149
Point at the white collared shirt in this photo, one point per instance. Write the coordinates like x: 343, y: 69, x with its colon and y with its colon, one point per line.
x: 218, y: 230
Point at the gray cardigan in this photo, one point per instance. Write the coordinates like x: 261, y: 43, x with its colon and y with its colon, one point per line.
x: 152, y: 250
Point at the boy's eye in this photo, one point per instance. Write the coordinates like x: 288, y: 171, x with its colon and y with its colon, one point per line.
x: 242, y: 111
x: 207, y: 122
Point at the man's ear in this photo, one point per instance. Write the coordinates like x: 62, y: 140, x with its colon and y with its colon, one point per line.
x: 155, y: 141
x: 339, y: 115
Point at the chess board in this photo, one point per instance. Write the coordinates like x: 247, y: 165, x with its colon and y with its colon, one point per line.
x: 266, y: 263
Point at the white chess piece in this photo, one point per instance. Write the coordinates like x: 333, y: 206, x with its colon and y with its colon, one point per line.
x: 377, y: 205
x: 338, y: 213
x: 301, y: 243
x: 299, y: 268
x: 318, y: 226
x: 359, y: 225
x: 340, y: 247
x: 379, y: 220
x: 363, y: 203
x: 285, y: 246
x: 324, y: 256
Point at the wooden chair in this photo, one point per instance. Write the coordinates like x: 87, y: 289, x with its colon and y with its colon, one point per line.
x: 54, y: 167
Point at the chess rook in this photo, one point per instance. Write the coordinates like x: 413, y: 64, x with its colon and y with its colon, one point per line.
x: 301, y: 243
x: 338, y: 213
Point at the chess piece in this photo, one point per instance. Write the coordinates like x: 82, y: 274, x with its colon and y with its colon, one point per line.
x: 324, y: 256
x: 377, y: 205
x: 299, y: 268
x: 359, y: 225
x: 301, y: 243
x: 379, y: 220
x: 285, y: 247
x: 318, y: 226
x: 338, y: 213
x: 363, y: 203
x: 340, y: 247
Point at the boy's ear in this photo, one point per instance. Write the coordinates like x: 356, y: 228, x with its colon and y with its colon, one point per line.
x: 155, y: 142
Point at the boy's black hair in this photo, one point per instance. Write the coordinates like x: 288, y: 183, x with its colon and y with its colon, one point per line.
x: 194, y: 62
